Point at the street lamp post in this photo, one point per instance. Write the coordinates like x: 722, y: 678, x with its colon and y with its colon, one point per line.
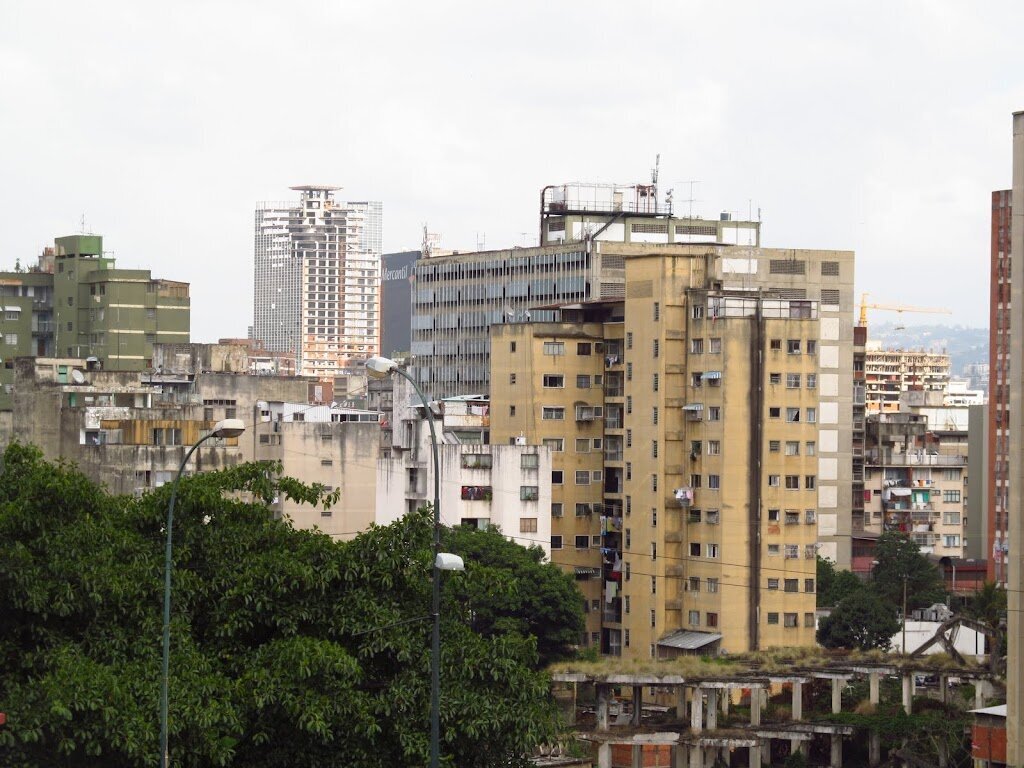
x: 225, y: 428
x: 379, y: 368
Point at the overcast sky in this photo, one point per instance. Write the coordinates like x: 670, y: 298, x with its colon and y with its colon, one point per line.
x: 878, y: 127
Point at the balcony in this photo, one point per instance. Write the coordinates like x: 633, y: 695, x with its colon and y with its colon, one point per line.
x: 613, y: 455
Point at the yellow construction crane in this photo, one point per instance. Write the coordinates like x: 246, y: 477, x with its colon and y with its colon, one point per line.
x: 901, y: 308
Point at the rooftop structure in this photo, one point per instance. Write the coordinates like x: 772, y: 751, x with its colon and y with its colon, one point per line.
x: 888, y: 372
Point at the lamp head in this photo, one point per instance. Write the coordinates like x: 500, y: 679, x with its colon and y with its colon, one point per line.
x: 228, y: 428
x: 446, y: 561
x: 380, y: 367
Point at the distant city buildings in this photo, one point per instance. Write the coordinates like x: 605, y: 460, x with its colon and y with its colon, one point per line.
x: 890, y: 372
x: 317, y: 272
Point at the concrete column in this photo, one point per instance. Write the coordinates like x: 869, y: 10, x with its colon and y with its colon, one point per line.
x: 638, y: 703
x: 604, y: 755
x: 754, y: 756
x: 696, y: 757
x: 681, y: 703
x: 908, y: 696
x: 798, y: 701
x: 874, y: 748
x: 697, y: 711
x: 836, y: 760
x: 943, y: 754
x: 766, y: 752
x: 712, y: 713
x: 680, y: 756
x: 602, y: 707
x: 755, y: 706
x: 981, y: 693
x: 794, y: 746
x: 638, y: 756
x: 837, y: 696
x: 873, y: 687
x: 726, y: 700
x: 944, y: 688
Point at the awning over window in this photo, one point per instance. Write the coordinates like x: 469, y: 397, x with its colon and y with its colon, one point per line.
x: 693, y: 407
x: 711, y: 375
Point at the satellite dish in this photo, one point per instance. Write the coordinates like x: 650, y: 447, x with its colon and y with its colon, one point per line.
x: 77, y: 376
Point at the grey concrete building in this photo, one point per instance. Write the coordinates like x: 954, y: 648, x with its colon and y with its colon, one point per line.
x: 317, y: 279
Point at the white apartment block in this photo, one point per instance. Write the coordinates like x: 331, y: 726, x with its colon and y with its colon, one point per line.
x: 317, y: 280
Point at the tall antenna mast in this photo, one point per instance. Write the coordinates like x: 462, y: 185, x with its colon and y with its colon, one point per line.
x: 691, y: 199
x: 654, y: 176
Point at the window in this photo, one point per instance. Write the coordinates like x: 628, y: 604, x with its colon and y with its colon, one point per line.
x: 812, y: 415
x: 712, y: 619
x: 511, y: 410
x: 792, y: 415
x: 654, y: 449
x: 655, y: 348
x: 809, y: 620
x: 696, y: 379
x: 810, y: 551
x: 810, y: 448
x: 712, y: 585
x: 792, y: 447
x: 812, y: 347
x: 553, y: 381
x: 654, y: 382
x: 810, y: 516
x: 773, y: 583
x: 582, y: 445
x: 810, y: 482
x: 696, y: 346
x: 554, y: 348
x: 792, y: 551
x: 654, y: 517
x: 697, y: 311
x: 556, y: 542
x: 528, y: 493
x: 695, y: 481
x: 625, y: 604
x: 775, y: 345
x: 511, y: 378
x: 476, y: 493
x: 11, y: 339
x: 793, y: 346
x: 476, y: 460
x: 791, y: 585
x: 582, y: 477
x: 951, y: 475
x: 629, y: 505
x: 654, y: 415
x: 529, y: 461
x: 582, y: 509
x: 627, y: 573
x: 808, y: 585
x: 792, y: 482
x: 792, y: 517
x: 774, y: 446
x: 715, y: 346
x: 582, y: 542
x: 773, y: 481
x: 714, y: 482
x: 711, y: 517
x: 582, y: 381
x: 512, y: 348
x: 554, y: 444
x: 583, y: 348
x: 556, y: 509
x: 715, y: 413
x: 694, y: 549
x: 951, y: 518
x: 951, y: 497
x: 657, y: 316
x: 629, y: 339
x: 792, y: 381
x: 629, y: 371
x: 812, y: 380
x: 528, y: 525
x: 773, y: 515
x: 693, y: 617
x: 654, y: 483
x: 597, y: 474
x: 773, y: 550
x: 552, y: 413
x: 773, y: 618
x: 629, y: 470
x: 774, y: 412
x: 789, y: 620
x: 629, y: 438
x: 951, y: 540
x: 597, y: 441
x: 711, y: 551
x: 774, y: 378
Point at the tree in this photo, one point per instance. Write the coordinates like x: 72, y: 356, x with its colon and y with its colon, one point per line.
x: 988, y: 607
x: 833, y: 585
x: 861, y: 621
x: 511, y: 589
x: 288, y: 648
x: 899, y: 557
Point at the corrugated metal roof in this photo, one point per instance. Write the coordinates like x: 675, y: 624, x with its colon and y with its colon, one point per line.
x: 997, y: 711
x: 689, y: 641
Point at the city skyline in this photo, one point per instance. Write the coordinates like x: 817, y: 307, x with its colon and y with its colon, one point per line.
x: 891, y: 151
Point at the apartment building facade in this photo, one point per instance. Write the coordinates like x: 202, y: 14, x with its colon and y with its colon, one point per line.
x: 718, y: 422
x: 75, y: 303
x: 997, y: 511
x: 890, y: 372
x: 317, y: 272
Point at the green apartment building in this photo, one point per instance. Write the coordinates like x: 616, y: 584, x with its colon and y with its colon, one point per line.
x: 76, y: 304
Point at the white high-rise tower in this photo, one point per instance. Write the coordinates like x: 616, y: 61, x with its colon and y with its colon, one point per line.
x: 317, y: 280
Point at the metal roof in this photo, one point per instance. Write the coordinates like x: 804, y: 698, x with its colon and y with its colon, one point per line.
x: 689, y: 641
x: 997, y: 711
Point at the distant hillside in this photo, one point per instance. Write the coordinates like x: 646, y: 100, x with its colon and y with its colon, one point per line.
x: 965, y: 346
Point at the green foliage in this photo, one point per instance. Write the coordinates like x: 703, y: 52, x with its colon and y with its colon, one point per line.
x: 899, y: 557
x: 288, y: 648
x: 833, y: 585
x: 509, y: 588
x: 932, y: 729
x: 988, y: 606
x: 861, y: 621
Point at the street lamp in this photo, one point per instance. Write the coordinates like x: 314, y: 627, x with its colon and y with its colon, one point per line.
x: 224, y: 428
x: 379, y: 368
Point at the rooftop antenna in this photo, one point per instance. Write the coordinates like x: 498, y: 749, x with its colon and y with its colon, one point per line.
x: 481, y: 241
x: 691, y: 199
x: 84, y: 230
x: 654, y: 170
